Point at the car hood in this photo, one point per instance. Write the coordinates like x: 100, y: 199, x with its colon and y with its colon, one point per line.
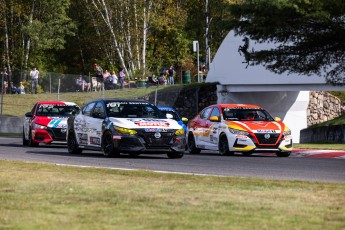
x: 257, y: 126
x: 135, y: 123
x: 52, y: 122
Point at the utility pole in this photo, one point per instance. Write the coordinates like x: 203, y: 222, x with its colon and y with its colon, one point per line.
x: 207, y: 64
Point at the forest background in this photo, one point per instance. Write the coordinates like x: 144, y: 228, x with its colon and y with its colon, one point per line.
x: 143, y: 36
x: 69, y: 36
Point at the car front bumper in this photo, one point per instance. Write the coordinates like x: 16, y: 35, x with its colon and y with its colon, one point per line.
x: 148, y: 143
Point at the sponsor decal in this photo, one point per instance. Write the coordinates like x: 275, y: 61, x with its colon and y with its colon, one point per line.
x: 165, y: 124
x: 57, y: 123
x: 154, y: 130
x: 265, y: 131
x: 95, y: 141
x: 116, y: 137
x: 150, y: 122
x: 241, y: 137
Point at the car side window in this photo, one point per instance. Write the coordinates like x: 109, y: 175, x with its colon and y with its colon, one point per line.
x: 88, y: 108
x: 99, y: 110
x: 215, y: 112
x: 204, y: 114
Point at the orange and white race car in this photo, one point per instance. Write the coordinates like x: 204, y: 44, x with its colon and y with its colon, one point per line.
x: 245, y: 128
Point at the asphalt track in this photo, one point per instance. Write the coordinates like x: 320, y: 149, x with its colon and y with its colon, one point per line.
x: 308, y: 165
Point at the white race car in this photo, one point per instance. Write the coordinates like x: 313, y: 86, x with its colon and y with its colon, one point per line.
x: 116, y: 126
x: 244, y: 128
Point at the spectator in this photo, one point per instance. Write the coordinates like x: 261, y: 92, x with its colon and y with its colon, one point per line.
x: 161, y: 79
x: 13, y: 88
x: 81, y: 83
x: 4, y: 74
x: 34, y: 80
x: 171, y: 73
x: 121, y: 78
x: 99, y: 75
x: 114, y: 78
x: 107, y: 79
x: 21, y: 88
x: 342, y: 108
x: 151, y: 80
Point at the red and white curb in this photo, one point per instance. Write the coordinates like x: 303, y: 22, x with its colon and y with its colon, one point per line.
x: 316, y: 153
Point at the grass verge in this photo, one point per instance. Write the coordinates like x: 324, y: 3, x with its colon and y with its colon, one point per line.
x: 325, y: 146
x: 46, y: 196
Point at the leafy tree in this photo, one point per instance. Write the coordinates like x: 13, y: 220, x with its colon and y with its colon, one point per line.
x: 310, y: 35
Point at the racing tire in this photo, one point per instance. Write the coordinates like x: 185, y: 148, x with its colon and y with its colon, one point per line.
x: 72, y: 145
x: 191, y: 145
x: 283, y: 154
x: 175, y: 155
x: 25, y: 142
x: 108, y: 148
x: 223, y: 146
x: 31, y: 143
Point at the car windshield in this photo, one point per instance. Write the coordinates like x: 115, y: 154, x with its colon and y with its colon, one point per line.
x: 246, y: 114
x: 133, y: 110
x: 56, y: 110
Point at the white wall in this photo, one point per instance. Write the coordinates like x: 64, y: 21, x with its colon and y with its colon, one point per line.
x: 227, y: 67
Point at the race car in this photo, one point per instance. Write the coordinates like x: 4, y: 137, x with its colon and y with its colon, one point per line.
x: 245, y: 128
x: 133, y: 127
x: 47, y: 122
x: 176, y: 116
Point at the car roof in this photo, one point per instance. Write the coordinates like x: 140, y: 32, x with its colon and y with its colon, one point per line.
x: 120, y: 99
x: 166, y: 108
x: 55, y: 102
x: 239, y: 106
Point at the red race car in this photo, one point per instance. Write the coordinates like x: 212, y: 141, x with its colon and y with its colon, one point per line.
x: 47, y: 122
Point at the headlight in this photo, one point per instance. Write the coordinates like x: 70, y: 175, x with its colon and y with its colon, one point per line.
x: 179, y: 132
x: 238, y: 132
x: 287, y: 133
x: 36, y: 126
x: 125, y: 131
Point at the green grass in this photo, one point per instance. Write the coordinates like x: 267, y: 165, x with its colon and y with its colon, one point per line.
x: 320, y: 146
x: 18, y: 105
x: 46, y: 196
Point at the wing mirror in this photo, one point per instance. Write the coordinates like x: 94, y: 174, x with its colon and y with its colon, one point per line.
x: 184, y: 119
x: 214, y: 118
x: 28, y: 114
x: 277, y: 119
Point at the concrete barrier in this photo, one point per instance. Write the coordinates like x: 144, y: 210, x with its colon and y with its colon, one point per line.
x: 329, y: 134
x: 9, y: 124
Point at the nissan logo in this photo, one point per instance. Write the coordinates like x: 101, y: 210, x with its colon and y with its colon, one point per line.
x: 267, y: 136
x: 158, y: 135
x: 63, y: 130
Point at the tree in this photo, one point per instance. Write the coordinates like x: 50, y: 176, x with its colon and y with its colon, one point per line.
x: 310, y: 35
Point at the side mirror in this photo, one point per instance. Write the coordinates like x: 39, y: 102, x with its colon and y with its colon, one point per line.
x: 184, y: 119
x: 28, y: 114
x: 97, y: 115
x: 277, y: 119
x: 169, y: 116
x: 214, y: 118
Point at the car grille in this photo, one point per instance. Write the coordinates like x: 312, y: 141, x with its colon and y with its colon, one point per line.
x: 56, y: 134
x: 271, y: 140
x: 152, y: 141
